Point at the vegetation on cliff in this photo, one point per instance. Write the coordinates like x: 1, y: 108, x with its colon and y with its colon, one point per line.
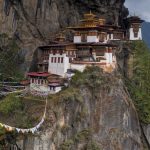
x: 10, y: 104
x: 10, y: 58
x: 139, y: 83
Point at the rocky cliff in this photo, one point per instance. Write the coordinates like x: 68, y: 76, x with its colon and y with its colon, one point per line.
x: 99, y: 117
x: 34, y: 22
x: 93, y: 114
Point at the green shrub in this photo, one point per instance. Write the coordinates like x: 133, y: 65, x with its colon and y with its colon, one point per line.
x: 82, y: 114
x: 83, y: 135
x: 91, y: 77
x: 10, y: 104
x: 92, y: 146
x: 2, y: 131
x: 67, y: 145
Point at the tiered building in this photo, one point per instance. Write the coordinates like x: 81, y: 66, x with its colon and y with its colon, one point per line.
x: 135, y: 32
x: 91, y: 45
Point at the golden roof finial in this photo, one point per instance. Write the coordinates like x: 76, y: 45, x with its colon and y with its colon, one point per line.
x: 60, y: 37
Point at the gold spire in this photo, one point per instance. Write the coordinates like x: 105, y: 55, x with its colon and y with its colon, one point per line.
x: 89, y: 16
x: 60, y: 37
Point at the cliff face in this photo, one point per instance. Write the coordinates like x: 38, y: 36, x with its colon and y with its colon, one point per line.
x: 33, y: 22
x: 102, y: 119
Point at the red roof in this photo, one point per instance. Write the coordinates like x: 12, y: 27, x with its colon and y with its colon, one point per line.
x: 38, y: 74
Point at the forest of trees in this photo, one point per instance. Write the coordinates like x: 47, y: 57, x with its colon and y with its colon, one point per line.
x: 139, y: 83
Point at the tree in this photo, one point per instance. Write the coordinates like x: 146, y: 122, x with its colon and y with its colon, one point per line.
x: 10, y: 58
x: 139, y: 84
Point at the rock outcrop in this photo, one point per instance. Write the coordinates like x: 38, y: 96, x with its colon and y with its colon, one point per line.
x: 105, y: 119
x: 34, y: 22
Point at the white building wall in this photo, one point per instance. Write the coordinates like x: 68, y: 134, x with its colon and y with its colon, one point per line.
x: 92, y: 39
x: 109, y: 58
x: 59, y: 68
x: 45, y: 88
x: 79, y: 67
x: 77, y: 39
x: 40, y: 88
x: 57, y: 89
x: 139, y: 37
x: 108, y: 37
x: 140, y: 34
x: 112, y: 36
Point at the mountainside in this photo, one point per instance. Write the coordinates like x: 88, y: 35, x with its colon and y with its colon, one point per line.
x: 95, y: 113
x: 33, y: 22
x: 146, y: 33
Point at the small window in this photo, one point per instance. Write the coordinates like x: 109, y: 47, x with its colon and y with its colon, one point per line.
x: 62, y: 60
x: 42, y: 82
x: 52, y: 60
x: 70, y: 60
x: 135, y: 34
x: 32, y: 80
x: 58, y: 59
x: 54, y: 89
x: 55, y: 59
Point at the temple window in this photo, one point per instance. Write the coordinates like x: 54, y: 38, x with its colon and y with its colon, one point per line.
x: 135, y: 34
x: 62, y: 59
x: 55, y: 59
x: 46, y: 68
x: 58, y: 59
x: 38, y: 81
x: 53, y: 88
x: 52, y: 60
x: 70, y: 60
x: 32, y: 80
x: 84, y: 37
x: 42, y: 82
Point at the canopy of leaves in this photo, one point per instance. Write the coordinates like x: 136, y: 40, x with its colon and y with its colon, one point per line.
x: 10, y: 58
x: 91, y: 77
x: 10, y: 104
x: 139, y: 84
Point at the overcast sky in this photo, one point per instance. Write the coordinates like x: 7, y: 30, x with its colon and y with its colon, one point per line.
x: 140, y: 8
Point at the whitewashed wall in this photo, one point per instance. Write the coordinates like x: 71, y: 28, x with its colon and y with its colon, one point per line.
x: 92, y: 39
x: 109, y: 58
x: 77, y: 39
x: 58, y: 67
x: 79, y: 67
x: 139, y: 37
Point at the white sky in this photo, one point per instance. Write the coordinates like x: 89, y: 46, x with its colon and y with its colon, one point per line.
x: 140, y: 8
